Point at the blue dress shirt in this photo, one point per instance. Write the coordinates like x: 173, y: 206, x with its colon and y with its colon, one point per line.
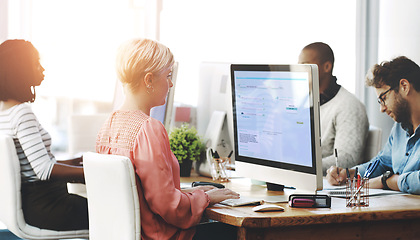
x: 401, y: 155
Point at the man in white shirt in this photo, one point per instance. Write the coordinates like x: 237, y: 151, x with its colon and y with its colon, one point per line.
x: 344, y: 122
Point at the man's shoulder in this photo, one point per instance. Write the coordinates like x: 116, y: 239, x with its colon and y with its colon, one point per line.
x: 344, y: 93
x: 344, y: 104
x: 347, y: 98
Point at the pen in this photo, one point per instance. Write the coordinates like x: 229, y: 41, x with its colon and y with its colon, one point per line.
x: 372, y: 166
x: 354, y: 182
x: 336, y: 161
x: 230, y: 154
x: 359, y: 184
x: 348, y: 178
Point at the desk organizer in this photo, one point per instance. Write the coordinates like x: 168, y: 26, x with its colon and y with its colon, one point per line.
x: 218, y: 169
x: 357, y: 192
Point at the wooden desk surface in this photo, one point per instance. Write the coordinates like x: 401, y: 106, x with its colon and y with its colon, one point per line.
x: 382, y: 209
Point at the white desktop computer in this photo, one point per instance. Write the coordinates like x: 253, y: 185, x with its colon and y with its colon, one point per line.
x: 214, y: 111
x: 276, y: 124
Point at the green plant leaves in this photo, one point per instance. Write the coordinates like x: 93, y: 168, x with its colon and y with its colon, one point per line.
x: 186, y: 143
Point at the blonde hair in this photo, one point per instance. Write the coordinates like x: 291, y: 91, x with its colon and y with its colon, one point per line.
x: 137, y: 57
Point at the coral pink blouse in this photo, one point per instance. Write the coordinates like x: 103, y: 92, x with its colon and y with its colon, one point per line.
x: 165, y: 211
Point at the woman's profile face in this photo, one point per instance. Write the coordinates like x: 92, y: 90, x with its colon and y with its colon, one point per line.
x: 163, y: 84
x: 38, y: 73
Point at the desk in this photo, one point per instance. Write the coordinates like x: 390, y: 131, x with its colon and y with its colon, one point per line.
x: 387, y: 217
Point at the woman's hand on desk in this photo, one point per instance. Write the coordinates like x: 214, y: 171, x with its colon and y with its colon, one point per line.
x: 204, y: 188
x: 220, y: 194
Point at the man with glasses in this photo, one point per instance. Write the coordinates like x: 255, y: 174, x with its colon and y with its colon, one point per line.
x: 397, y: 166
x: 344, y: 122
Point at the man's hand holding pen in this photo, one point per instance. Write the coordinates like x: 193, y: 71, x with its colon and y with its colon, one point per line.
x: 335, y: 172
x: 337, y: 175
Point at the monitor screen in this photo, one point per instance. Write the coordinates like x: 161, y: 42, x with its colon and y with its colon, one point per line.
x: 276, y: 124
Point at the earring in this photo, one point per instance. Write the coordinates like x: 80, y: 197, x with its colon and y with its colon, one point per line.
x: 148, y: 87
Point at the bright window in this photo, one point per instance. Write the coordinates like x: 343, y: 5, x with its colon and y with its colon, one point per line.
x: 265, y: 31
x: 78, y: 40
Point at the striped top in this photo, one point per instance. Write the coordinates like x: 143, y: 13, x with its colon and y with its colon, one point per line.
x: 31, y: 140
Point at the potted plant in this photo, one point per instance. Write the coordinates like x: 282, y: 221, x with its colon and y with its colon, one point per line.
x: 187, y: 147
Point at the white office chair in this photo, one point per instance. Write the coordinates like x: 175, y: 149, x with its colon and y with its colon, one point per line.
x: 373, y: 143
x: 113, y: 203
x: 82, y: 133
x: 11, y: 213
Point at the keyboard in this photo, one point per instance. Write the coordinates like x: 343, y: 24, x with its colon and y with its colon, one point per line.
x: 242, y: 201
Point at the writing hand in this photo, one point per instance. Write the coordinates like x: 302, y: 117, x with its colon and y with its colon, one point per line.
x: 336, y: 179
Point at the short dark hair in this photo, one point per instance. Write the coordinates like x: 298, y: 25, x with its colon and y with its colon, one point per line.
x: 391, y: 72
x: 325, y: 53
x: 17, y: 73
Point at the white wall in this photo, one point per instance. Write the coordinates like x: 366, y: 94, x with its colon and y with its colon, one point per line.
x: 399, y: 34
x: 399, y: 29
x: 3, y: 20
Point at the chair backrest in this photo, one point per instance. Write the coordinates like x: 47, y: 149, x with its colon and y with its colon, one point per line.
x: 11, y: 213
x: 113, y: 203
x: 373, y: 143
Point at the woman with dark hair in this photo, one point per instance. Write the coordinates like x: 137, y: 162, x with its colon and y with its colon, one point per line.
x: 45, y: 201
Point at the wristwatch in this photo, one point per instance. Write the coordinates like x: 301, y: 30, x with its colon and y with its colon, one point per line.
x: 385, y: 177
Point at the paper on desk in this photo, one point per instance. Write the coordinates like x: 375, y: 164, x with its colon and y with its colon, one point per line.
x: 372, y: 192
x: 327, y: 186
x: 340, y: 191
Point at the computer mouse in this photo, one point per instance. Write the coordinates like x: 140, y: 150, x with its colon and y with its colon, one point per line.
x: 267, y: 208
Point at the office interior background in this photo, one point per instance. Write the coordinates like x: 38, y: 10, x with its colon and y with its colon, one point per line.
x: 78, y: 39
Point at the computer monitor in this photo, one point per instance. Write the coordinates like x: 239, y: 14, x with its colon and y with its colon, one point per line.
x: 276, y: 124
x: 162, y: 113
x: 214, y: 107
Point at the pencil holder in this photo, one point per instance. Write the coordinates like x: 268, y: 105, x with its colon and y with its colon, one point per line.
x: 218, y: 169
x: 357, y: 192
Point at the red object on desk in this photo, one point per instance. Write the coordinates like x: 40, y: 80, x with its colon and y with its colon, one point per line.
x: 182, y: 114
x: 302, y: 202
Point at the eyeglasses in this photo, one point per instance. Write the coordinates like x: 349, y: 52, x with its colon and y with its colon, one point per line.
x: 381, y: 99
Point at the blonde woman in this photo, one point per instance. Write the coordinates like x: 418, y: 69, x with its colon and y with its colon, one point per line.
x: 144, y: 67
